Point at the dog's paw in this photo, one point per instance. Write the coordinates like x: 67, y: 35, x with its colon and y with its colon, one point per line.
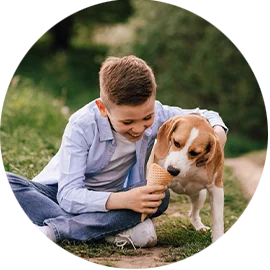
x: 198, y: 225
x: 203, y: 228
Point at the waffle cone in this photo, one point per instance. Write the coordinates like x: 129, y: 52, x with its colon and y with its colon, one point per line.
x: 157, y: 176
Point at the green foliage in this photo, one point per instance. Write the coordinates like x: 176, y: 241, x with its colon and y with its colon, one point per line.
x: 31, y: 128
x: 70, y: 75
x: 105, y: 13
x: 239, y: 144
x: 196, y: 65
x: 83, y: 22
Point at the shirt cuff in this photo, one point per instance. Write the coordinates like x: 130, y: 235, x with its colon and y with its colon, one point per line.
x: 98, y: 201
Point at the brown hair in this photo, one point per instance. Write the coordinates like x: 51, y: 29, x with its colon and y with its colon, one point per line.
x: 126, y: 81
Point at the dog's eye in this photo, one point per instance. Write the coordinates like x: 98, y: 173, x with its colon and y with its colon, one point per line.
x: 193, y: 153
x: 177, y: 144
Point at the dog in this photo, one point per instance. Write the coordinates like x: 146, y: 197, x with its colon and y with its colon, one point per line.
x: 182, y: 142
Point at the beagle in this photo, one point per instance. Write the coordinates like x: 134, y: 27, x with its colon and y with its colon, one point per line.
x: 181, y: 143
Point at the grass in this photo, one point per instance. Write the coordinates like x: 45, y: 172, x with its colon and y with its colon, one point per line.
x: 34, y: 116
x: 179, y: 235
x: 176, y: 235
x: 31, y: 128
x: 29, y: 137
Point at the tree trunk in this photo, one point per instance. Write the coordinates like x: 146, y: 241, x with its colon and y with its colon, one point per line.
x: 61, y: 32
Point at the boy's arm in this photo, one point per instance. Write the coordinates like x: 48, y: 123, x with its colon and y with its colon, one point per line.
x: 72, y: 195
x: 75, y: 198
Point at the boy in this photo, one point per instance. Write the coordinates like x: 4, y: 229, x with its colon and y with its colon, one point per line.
x: 79, y: 195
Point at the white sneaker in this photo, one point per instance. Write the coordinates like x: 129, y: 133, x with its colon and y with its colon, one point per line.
x: 142, y: 235
x: 46, y: 231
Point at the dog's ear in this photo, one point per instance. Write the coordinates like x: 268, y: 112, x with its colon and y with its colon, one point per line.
x: 215, y: 159
x: 164, y: 136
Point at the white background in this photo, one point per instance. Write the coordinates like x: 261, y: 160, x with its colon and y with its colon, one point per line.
x: 246, y: 244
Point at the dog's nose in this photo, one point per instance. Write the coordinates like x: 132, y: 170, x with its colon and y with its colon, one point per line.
x: 173, y: 171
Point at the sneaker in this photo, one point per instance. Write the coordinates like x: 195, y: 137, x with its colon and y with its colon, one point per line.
x: 46, y: 231
x: 142, y: 235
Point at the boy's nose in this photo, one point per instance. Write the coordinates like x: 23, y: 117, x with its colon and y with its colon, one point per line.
x: 138, y: 129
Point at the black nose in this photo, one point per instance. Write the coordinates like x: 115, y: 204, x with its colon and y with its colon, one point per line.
x: 173, y: 171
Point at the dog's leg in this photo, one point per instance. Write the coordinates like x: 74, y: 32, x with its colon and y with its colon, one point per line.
x: 216, y: 195
x: 197, y: 202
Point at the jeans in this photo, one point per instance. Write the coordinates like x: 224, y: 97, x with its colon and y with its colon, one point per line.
x: 40, y: 204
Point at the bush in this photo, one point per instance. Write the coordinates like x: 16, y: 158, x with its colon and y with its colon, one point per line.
x: 198, y: 66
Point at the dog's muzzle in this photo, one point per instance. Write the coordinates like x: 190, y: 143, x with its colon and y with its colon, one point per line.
x: 173, y: 171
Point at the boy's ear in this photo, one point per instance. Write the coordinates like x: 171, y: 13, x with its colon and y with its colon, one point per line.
x: 101, y: 107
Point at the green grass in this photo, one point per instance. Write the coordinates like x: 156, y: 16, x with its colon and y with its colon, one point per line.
x: 176, y: 235
x: 89, y: 250
x: 31, y: 128
x: 179, y: 235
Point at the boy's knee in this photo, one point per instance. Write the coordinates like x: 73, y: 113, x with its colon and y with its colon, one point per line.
x: 16, y: 181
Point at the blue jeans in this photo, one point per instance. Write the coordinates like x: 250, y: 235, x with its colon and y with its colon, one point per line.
x: 40, y: 204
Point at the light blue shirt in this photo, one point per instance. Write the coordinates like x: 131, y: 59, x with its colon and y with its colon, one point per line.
x: 86, y: 149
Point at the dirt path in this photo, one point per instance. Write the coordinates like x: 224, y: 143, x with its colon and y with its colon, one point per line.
x: 247, y: 169
x: 152, y: 258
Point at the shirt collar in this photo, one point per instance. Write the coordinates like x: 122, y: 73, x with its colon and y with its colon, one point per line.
x: 105, y: 131
x: 148, y: 131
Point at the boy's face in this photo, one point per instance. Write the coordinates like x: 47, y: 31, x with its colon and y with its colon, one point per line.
x: 131, y: 121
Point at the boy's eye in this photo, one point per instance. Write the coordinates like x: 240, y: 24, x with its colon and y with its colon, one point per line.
x: 177, y: 144
x: 130, y: 122
x: 148, y: 118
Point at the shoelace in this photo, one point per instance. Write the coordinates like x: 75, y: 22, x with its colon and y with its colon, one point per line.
x: 121, y: 243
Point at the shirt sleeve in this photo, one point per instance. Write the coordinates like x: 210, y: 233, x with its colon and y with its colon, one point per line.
x: 213, y: 117
x: 72, y: 195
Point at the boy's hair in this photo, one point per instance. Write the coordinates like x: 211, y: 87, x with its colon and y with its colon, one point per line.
x: 126, y: 81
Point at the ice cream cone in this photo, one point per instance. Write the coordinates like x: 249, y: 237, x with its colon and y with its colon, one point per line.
x: 157, y: 176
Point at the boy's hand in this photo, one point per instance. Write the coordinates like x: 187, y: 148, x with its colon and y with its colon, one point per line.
x: 220, y: 132
x: 140, y: 199
x: 222, y: 138
x: 143, y: 199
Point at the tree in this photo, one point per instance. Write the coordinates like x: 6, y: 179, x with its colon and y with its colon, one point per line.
x: 105, y: 13
x: 196, y: 65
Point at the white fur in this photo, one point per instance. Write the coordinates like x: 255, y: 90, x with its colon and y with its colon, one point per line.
x: 180, y: 159
x: 216, y: 196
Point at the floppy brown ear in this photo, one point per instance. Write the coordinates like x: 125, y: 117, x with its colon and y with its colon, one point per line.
x: 216, y: 158
x: 164, y: 136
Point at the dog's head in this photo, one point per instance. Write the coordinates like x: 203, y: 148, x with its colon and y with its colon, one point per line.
x: 184, y: 140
